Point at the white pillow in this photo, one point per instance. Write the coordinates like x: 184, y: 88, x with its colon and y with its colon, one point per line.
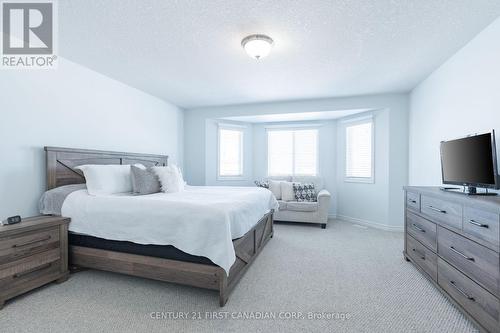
x: 170, y: 178
x: 107, y: 179
x: 275, y: 187
x: 287, y: 193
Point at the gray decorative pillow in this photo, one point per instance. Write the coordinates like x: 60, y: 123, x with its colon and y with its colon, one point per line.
x: 144, y: 181
x: 304, y: 192
x: 262, y: 183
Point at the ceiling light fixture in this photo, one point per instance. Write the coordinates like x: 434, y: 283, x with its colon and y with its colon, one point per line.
x: 257, y: 46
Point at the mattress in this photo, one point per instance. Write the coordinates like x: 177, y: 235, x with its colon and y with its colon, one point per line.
x: 201, y: 221
x: 158, y: 251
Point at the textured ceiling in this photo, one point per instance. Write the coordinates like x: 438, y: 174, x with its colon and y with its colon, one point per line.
x: 188, y: 51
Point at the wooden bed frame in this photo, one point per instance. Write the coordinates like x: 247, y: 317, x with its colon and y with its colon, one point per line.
x: 60, y: 171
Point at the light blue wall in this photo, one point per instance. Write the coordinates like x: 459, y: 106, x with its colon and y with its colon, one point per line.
x: 398, y: 160
x: 364, y: 202
x: 461, y: 97
x: 75, y: 107
x: 388, y: 204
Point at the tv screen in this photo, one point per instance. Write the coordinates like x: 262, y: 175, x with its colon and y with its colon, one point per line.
x: 470, y: 161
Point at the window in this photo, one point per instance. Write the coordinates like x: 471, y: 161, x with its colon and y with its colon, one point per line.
x: 292, y: 152
x: 359, y: 151
x: 230, y: 152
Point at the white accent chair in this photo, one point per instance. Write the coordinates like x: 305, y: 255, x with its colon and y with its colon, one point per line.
x: 307, y: 212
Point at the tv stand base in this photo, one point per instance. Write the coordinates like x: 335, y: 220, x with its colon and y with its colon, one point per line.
x: 468, y: 190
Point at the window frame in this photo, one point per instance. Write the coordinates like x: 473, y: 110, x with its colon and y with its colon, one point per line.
x: 353, y: 122
x: 233, y: 127
x: 298, y: 127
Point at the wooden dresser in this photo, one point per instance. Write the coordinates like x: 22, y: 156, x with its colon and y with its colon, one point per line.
x: 453, y: 239
x: 32, y: 253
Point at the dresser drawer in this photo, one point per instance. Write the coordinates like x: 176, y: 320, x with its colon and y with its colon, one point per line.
x: 474, y: 260
x: 479, y: 303
x: 19, y: 246
x: 29, y: 278
x: 445, y: 212
x: 422, y: 230
x: 26, y: 264
x: 482, y: 224
x: 413, y: 201
x: 422, y: 256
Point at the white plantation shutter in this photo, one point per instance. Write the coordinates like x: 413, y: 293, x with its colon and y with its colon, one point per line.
x: 230, y: 152
x: 359, y: 152
x: 292, y: 152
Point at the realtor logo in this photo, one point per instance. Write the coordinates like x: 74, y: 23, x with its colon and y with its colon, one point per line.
x: 28, y: 34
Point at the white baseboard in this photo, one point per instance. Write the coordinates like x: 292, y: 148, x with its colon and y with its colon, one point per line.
x: 368, y: 223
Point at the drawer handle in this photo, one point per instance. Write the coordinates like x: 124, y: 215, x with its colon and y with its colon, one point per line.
x: 470, y: 298
x: 461, y: 254
x: 36, y: 269
x: 412, y: 201
x: 421, y: 256
x: 478, y: 224
x: 437, y: 210
x: 32, y: 242
x: 418, y: 228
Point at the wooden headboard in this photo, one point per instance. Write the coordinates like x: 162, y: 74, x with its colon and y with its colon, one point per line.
x: 62, y: 161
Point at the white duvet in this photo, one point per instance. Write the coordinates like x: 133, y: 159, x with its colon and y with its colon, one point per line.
x: 202, y: 220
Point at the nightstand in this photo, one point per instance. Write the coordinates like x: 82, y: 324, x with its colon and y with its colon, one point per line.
x: 32, y: 253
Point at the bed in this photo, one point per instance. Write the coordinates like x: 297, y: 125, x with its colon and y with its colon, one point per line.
x: 145, y: 258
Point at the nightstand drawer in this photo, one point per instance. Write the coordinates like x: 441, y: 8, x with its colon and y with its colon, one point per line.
x: 474, y: 260
x: 479, y: 303
x: 482, y: 224
x: 413, y: 201
x: 422, y: 256
x: 30, y: 278
x: 445, y: 212
x: 422, y: 230
x: 19, y: 246
x: 24, y: 265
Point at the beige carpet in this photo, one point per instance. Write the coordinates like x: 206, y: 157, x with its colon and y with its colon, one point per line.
x: 354, y: 278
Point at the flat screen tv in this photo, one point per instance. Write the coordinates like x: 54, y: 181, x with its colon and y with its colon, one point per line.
x: 470, y: 162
